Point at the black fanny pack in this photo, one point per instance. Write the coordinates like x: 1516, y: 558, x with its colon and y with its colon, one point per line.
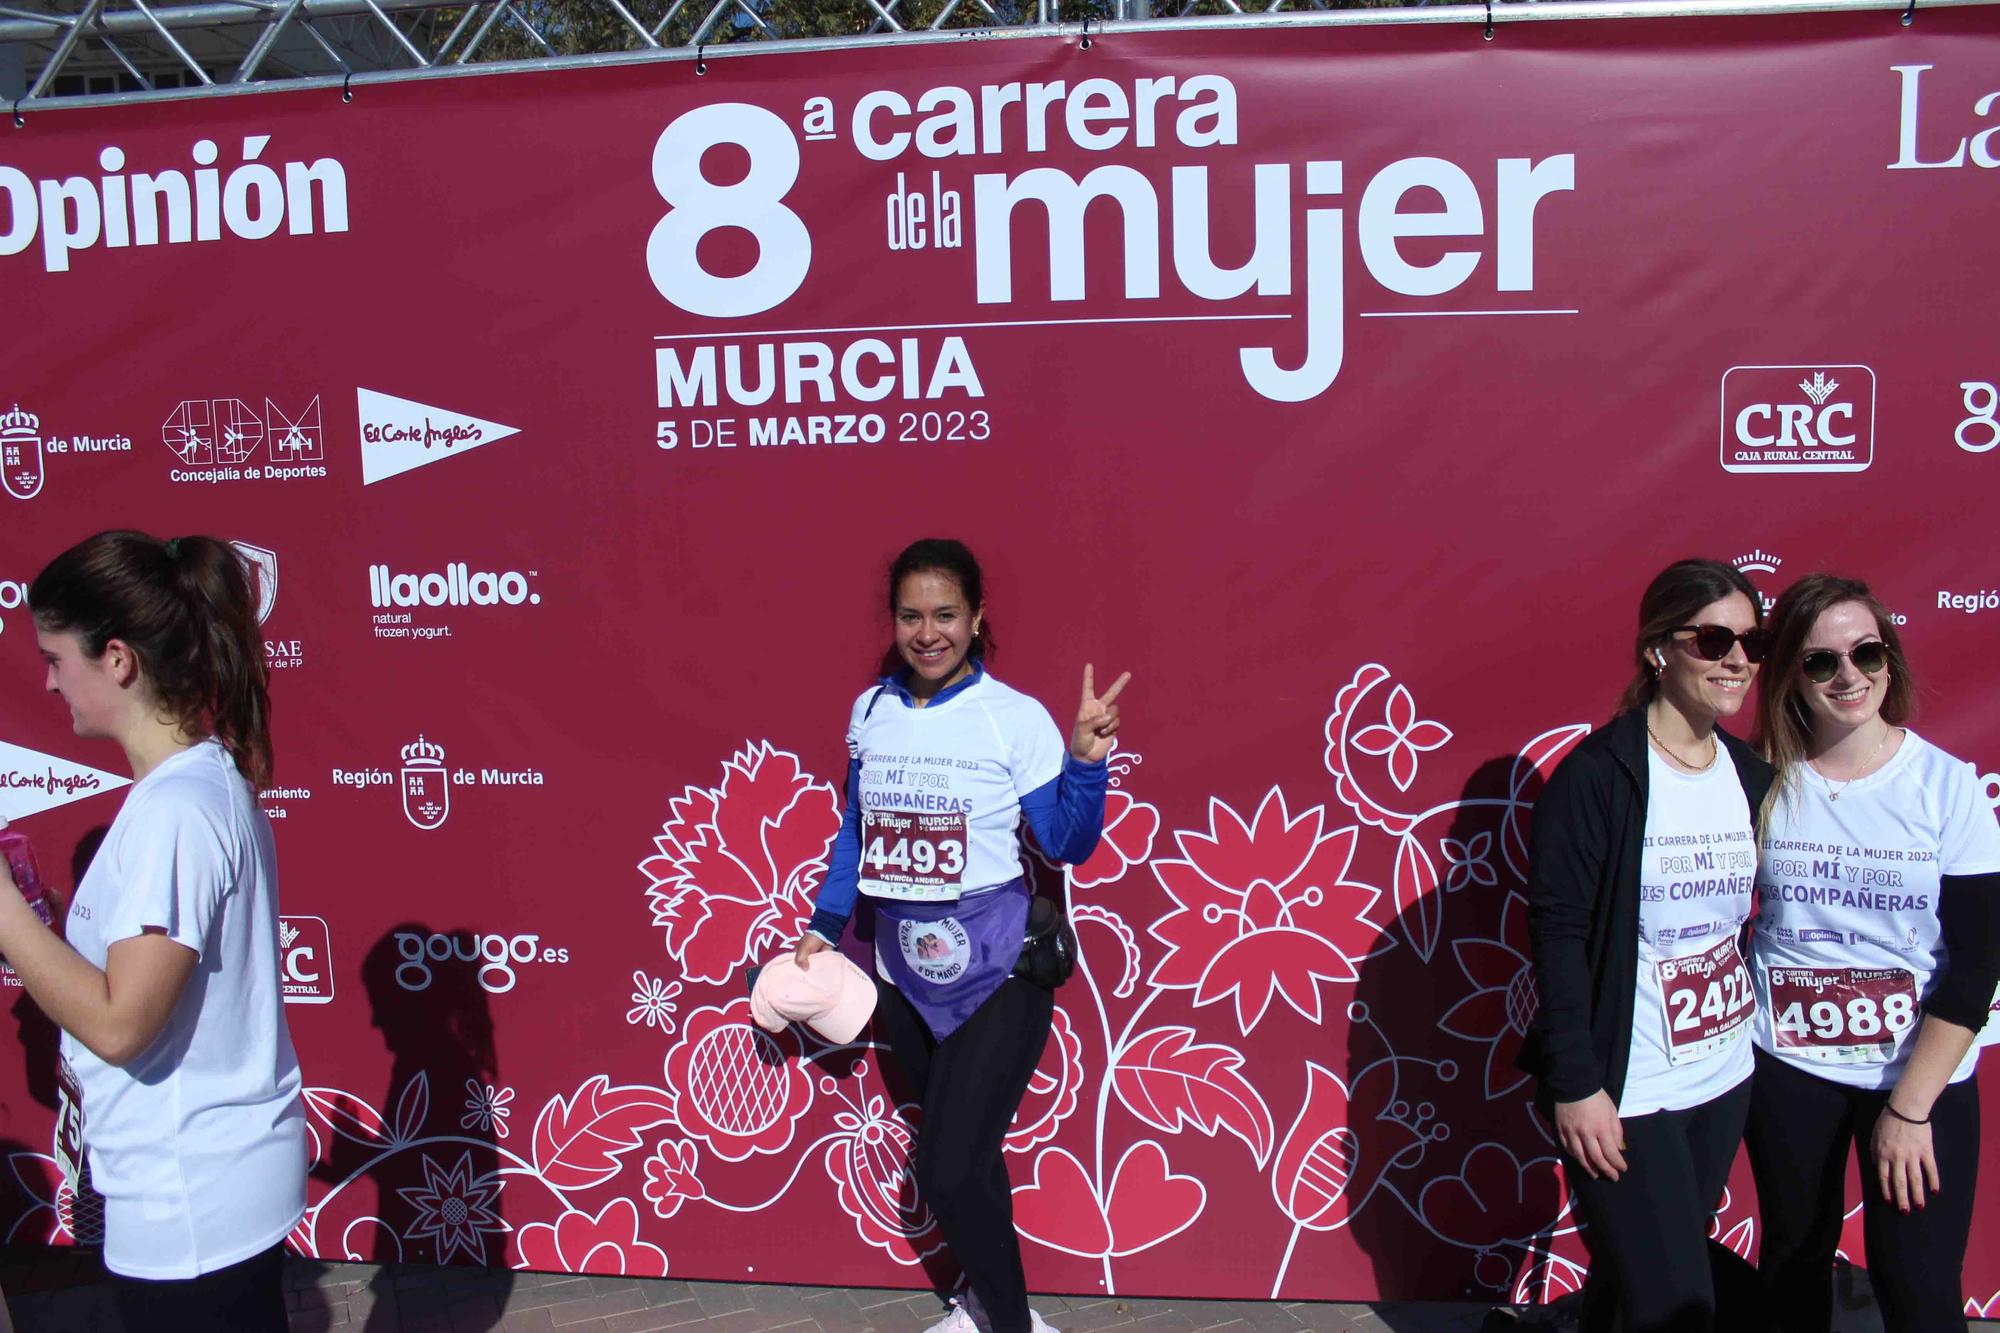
x: 1048, y: 949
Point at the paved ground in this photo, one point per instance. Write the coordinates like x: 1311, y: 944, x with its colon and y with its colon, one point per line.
x: 61, y: 1292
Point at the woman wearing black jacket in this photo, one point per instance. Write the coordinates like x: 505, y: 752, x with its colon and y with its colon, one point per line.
x: 1643, y: 864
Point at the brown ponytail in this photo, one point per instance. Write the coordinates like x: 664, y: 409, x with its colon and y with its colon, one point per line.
x: 188, y: 610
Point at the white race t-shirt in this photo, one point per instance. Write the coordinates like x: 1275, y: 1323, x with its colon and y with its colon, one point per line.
x: 198, y: 1145
x: 941, y: 787
x: 1847, y: 938
x: 1697, y: 871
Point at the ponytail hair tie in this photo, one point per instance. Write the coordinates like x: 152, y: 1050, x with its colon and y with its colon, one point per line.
x: 173, y: 548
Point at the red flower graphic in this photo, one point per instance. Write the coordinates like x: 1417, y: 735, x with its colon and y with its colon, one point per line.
x: 737, y: 865
x: 735, y: 1087
x: 1342, y: 1143
x: 1264, y: 909
x: 870, y: 1166
x: 1147, y: 1203
x: 671, y: 1178
x: 47, y: 1218
x: 1052, y: 1092
x: 1502, y: 1003
x: 1400, y: 736
x: 455, y: 1209
x: 576, y: 1242
x: 1495, y: 1198
x: 1129, y: 829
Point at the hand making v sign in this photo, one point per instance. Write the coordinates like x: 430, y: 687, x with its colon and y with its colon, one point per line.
x: 1096, y: 719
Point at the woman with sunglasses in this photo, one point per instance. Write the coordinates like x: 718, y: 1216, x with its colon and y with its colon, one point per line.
x: 1875, y: 957
x: 1641, y: 872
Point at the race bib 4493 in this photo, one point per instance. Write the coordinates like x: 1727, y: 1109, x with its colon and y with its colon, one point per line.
x: 913, y: 855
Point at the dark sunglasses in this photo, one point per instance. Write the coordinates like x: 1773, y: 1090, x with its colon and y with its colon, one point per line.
x: 1823, y: 664
x: 1712, y: 643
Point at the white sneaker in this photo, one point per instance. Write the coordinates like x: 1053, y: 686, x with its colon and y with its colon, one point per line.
x: 1039, y: 1324
x: 958, y: 1321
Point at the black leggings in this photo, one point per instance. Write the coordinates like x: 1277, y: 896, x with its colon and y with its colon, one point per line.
x: 246, y: 1297
x: 1647, y: 1231
x: 970, y: 1084
x: 1800, y: 1129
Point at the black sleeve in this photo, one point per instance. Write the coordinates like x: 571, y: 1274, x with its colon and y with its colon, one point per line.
x: 1568, y: 845
x: 1969, y: 968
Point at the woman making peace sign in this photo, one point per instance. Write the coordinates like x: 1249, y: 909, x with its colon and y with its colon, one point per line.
x: 944, y: 763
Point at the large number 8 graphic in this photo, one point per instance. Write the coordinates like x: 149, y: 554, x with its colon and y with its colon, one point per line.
x: 697, y: 206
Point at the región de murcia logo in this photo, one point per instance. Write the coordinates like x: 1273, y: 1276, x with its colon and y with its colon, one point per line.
x: 21, y: 453
x: 24, y: 451
x: 427, y: 784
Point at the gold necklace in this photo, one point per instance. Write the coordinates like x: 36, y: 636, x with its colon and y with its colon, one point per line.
x: 1691, y: 767
x: 1832, y: 792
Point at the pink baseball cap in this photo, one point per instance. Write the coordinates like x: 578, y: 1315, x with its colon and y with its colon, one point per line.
x: 829, y: 994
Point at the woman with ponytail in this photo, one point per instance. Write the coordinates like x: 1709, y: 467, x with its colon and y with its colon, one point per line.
x: 178, y: 1078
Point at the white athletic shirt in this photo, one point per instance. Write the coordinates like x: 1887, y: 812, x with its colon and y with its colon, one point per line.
x: 1847, y: 935
x: 198, y: 1145
x: 941, y: 787
x: 1697, y: 871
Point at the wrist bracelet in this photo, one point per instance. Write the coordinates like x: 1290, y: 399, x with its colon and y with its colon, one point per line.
x: 1908, y: 1120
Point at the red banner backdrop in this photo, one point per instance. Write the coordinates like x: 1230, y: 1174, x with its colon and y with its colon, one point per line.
x: 1344, y: 384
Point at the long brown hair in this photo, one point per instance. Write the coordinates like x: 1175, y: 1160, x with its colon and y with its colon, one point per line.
x: 187, y: 610
x: 1671, y: 601
x: 1784, y: 724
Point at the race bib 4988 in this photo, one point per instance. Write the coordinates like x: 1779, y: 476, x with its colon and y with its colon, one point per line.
x: 1842, y: 1015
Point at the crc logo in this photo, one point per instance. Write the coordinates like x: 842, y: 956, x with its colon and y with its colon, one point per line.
x: 305, y: 965
x: 206, y: 432
x: 1979, y: 432
x: 21, y: 453
x: 1798, y: 418
x: 496, y: 955
x: 426, y: 784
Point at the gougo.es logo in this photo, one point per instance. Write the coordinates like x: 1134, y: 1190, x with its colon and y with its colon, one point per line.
x: 13, y: 597
x: 496, y: 956
x: 1980, y: 431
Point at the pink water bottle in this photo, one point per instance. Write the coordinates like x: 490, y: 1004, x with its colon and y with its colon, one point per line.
x: 20, y: 857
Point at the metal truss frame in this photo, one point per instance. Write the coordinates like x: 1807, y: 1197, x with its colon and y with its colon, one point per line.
x: 181, y: 50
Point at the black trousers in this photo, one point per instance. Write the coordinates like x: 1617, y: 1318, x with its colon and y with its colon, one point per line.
x: 1647, y: 1231
x: 1800, y: 1129
x: 246, y: 1297
x: 969, y: 1085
